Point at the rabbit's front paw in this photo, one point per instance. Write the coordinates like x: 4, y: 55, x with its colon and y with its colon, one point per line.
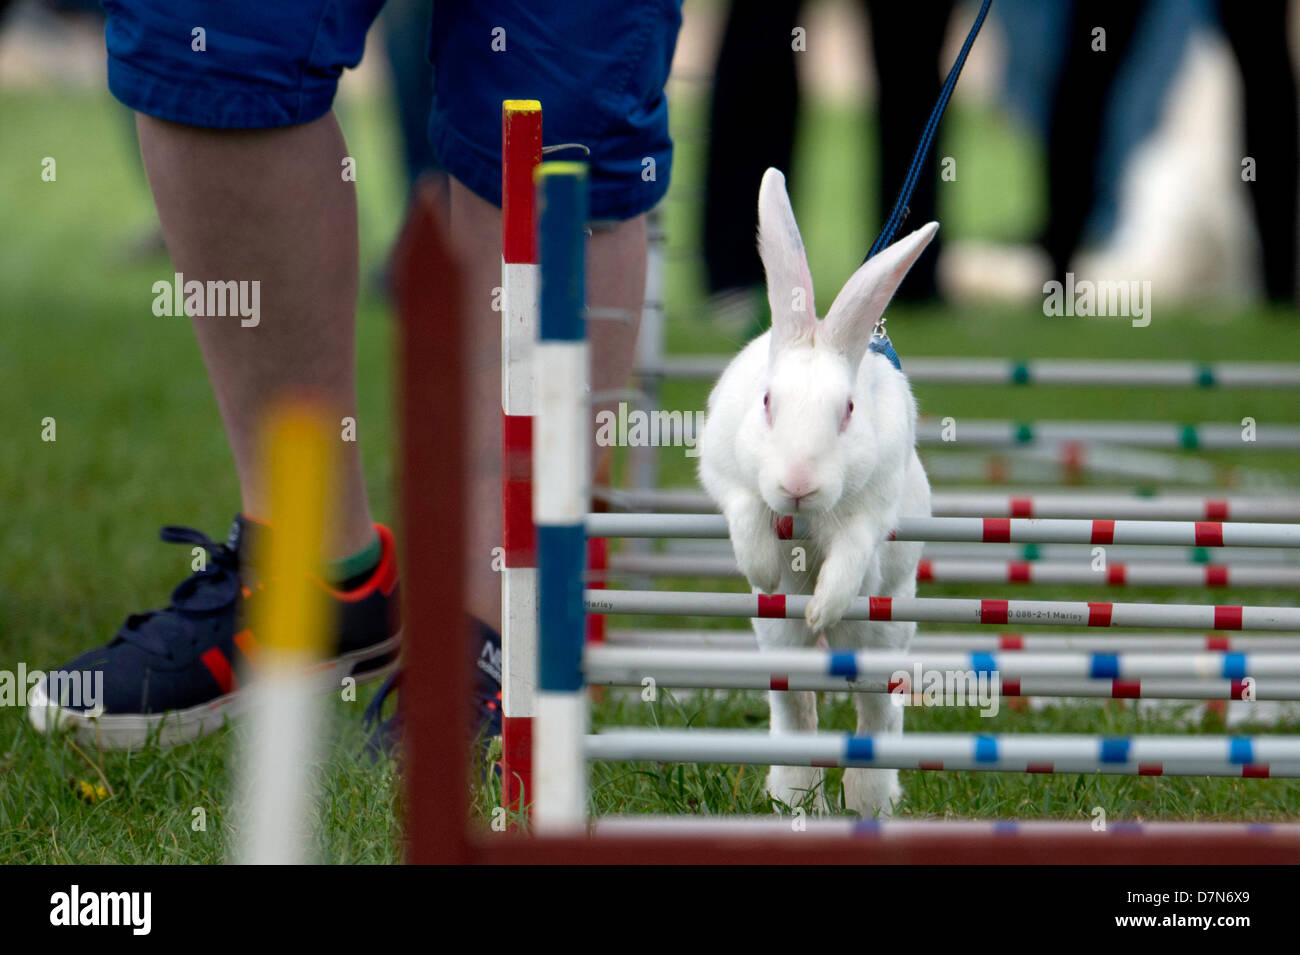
x: 827, y: 607
x: 761, y: 564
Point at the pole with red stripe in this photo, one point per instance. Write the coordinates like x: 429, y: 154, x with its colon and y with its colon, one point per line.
x: 975, y: 571
x: 1138, y: 506
x: 989, y: 530
x: 1244, y: 757
x: 521, y: 153
x: 850, y: 667
x: 1054, y: 613
x: 935, y: 640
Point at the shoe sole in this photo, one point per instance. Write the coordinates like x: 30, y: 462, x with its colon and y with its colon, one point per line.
x: 135, y: 730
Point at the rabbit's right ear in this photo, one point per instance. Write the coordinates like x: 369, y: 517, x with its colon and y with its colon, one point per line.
x: 789, y: 283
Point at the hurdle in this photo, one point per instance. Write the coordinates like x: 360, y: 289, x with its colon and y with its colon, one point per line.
x: 562, y: 437
x: 1231, y: 676
x: 1073, y: 461
x: 1006, y: 642
x: 955, y: 571
x: 1246, y: 757
x: 1057, y: 613
x: 1137, y: 505
x: 1135, y: 553
x: 657, y: 827
x: 1042, y: 688
x: 993, y: 371
x: 986, y: 433
x: 884, y: 666
x: 999, y: 530
x: 276, y: 782
x: 1033, y: 553
x: 521, y: 152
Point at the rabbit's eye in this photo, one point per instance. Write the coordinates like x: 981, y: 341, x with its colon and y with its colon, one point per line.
x: 767, y: 399
x: 848, y: 411
x: 850, y: 408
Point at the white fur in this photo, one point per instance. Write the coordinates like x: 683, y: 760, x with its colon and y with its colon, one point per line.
x: 851, y: 478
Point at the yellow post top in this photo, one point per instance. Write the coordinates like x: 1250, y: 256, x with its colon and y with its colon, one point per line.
x: 560, y: 167
x: 521, y: 106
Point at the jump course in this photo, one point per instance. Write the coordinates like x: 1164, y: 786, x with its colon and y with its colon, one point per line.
x: 547, y: 669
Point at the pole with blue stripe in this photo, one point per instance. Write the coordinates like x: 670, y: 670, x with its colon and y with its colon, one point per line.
x: 561, y: 468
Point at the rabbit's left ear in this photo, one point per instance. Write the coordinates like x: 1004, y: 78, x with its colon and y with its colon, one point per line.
x: 862, y: 301
x: 789, y: 282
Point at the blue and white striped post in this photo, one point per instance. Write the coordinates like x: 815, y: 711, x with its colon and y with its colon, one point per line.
x: 561, y: 468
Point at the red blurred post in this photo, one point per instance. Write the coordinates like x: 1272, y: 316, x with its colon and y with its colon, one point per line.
x: 435, y: 693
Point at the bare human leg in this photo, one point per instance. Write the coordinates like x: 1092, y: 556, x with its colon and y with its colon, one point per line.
x: 271, y: 206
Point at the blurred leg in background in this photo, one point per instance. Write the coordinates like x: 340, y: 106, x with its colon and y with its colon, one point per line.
x: 752, y: 119
x: 756, y: 65
x: 906, y: 39
x: 406, y: 40
x: 1077, y: 116
x: 1259, y: 33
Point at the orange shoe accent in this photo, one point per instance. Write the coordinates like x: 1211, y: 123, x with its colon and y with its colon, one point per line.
x: 248, y: 644
x: 384, y: 579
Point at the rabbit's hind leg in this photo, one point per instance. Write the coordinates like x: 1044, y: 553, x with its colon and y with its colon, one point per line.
x: 872, y: 793
x: 795, y: 711
x: 791, y: 712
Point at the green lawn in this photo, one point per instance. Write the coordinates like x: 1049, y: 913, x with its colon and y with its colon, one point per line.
x: 139, y: 445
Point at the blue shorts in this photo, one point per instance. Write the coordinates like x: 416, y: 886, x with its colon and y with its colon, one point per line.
x: 597, y: 66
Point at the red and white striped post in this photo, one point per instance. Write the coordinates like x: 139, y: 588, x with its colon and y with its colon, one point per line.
x: 521, y: 153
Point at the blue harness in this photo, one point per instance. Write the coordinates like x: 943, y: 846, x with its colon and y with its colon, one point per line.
x: 881, y: 345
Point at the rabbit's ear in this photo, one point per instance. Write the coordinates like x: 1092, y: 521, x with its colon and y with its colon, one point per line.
x: 789, y: 283
x: 863, y: 299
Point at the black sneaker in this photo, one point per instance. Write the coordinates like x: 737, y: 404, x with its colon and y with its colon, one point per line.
x: 385, y: 735
x: 174, y: 674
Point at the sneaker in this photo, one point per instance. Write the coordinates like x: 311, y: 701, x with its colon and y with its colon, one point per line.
x: 174, y: 674
x: 385, y: 735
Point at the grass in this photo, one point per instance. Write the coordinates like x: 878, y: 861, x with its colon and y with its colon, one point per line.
x: 139, y: 445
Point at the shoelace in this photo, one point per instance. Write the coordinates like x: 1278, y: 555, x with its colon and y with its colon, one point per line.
x: 205, y: 591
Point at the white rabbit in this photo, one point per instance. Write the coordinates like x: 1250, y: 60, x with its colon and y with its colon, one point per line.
x: 805, y: 420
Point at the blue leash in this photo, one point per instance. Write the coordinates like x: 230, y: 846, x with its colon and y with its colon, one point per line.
x: 879, y: 339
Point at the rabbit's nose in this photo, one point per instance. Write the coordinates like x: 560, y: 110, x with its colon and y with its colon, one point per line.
x: 798, y: 484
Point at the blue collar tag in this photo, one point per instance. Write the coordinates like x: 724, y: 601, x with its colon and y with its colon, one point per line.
x: 881, y: 345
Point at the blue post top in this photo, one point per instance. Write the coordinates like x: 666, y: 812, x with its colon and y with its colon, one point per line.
x: 562, y: 201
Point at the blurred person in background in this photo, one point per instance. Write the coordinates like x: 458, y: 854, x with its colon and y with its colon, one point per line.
x: 1144, y: 154
x: 756, y: 65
